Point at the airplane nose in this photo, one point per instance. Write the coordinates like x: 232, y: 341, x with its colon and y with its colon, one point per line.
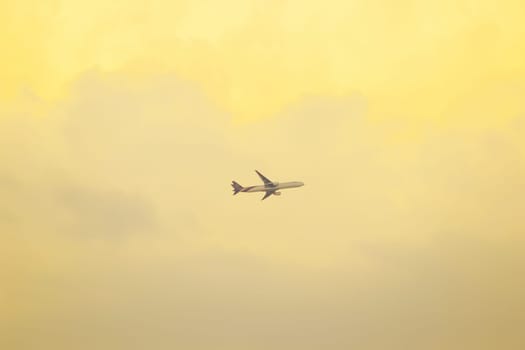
x: 301, y: 183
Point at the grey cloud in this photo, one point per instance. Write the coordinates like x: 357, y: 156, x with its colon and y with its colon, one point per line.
x: 105, y: 214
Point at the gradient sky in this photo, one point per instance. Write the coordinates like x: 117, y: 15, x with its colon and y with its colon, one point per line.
x: 122, y: 124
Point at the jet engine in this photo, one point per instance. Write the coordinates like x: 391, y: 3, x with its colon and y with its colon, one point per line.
x: 277, y: 193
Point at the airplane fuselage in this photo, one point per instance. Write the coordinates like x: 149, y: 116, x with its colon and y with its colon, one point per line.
x: 274, y: 187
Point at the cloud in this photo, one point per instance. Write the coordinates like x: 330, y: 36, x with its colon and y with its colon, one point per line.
x: 394, y: 241
x: 106, y: 214
x: 256, y: 57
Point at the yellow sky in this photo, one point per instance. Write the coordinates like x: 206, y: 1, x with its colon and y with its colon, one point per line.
x: 410, y: 59
x: 122, y: 124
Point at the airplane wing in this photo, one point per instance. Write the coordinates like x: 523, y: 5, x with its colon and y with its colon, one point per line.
x: 266, y: 181
x: 268, y: 194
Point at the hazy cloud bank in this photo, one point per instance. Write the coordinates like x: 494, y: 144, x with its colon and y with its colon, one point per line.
x: 119, y: 231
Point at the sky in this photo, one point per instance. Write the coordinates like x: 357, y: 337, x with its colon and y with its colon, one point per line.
x: 122, y: 125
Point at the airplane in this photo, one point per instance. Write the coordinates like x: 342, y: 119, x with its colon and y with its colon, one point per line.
x: 270, y: 187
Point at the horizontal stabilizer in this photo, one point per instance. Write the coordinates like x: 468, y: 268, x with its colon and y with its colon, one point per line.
x: 236, y: 187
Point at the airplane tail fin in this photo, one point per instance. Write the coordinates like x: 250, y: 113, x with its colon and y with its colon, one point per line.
x: 236, y: 187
